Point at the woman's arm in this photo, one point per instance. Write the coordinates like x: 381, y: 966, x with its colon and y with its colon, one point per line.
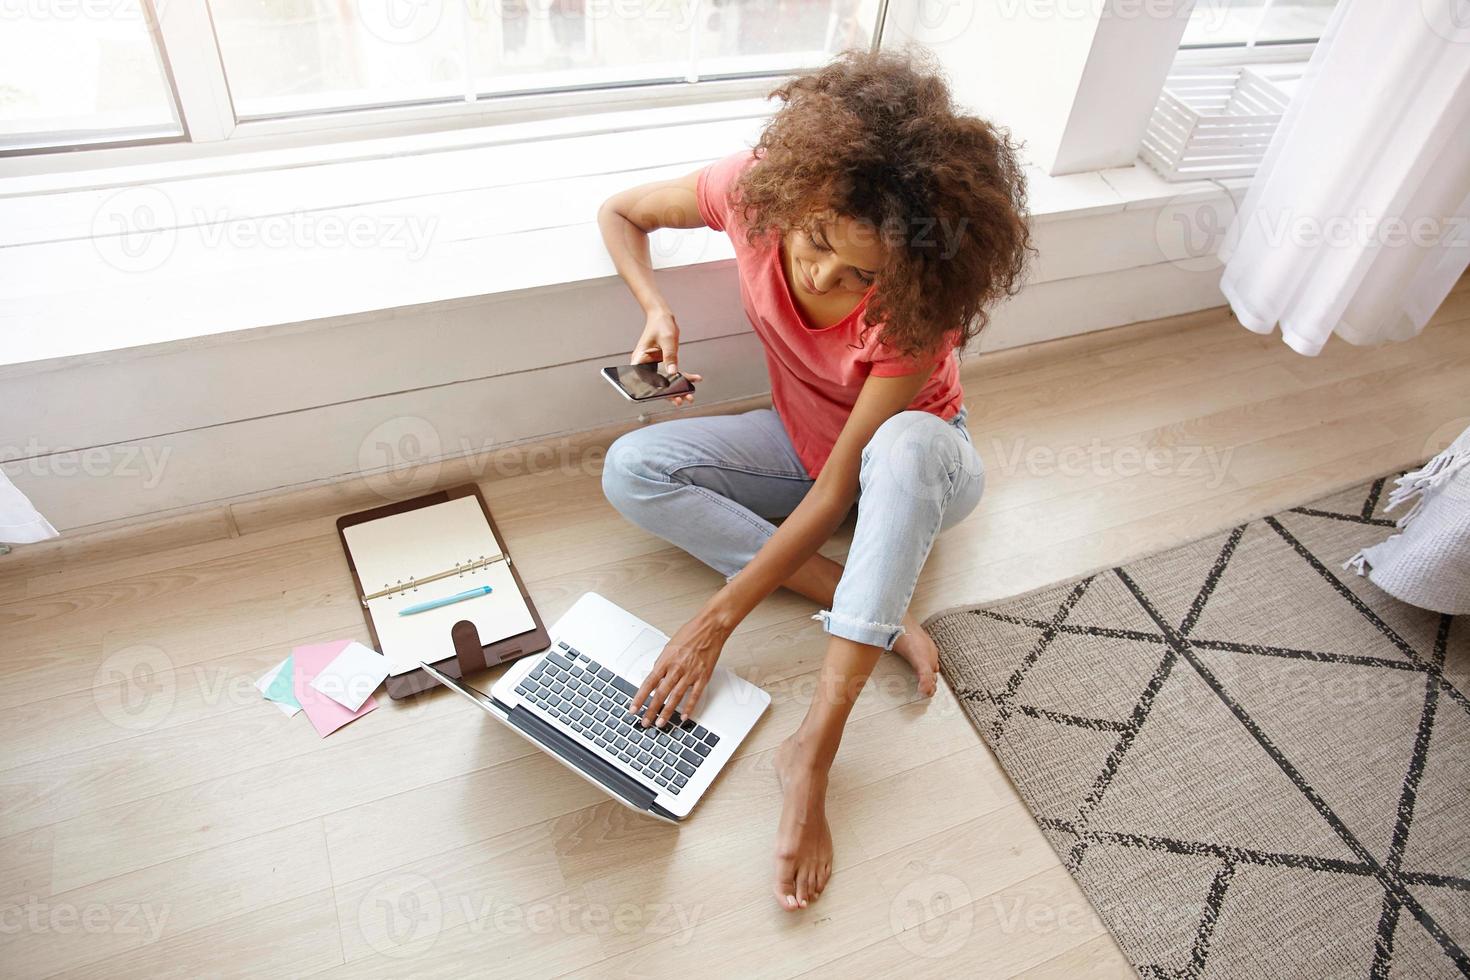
x: 684, y: 668
x: 825, y: 505
x: 626, y: 219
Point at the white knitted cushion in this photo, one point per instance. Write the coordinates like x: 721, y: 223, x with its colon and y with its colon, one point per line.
x: 1427, y: 564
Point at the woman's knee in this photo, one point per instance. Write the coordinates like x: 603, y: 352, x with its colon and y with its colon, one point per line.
x: 920, y: 457
x: 628, y: 474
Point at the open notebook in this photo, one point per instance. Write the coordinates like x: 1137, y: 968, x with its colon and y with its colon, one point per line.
x: 432, y: 551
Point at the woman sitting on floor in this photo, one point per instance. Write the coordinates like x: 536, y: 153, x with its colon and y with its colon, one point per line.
x: 873, y: 224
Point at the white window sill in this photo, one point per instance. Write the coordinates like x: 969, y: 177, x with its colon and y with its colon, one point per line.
x: 96, y: 262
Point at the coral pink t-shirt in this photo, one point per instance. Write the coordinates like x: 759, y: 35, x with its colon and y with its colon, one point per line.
x: 816, y: 374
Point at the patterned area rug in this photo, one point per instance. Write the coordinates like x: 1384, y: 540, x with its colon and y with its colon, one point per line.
x: 1254, y: 763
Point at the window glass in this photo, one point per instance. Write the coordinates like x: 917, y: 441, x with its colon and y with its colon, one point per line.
x: 1231, y: 22
x: 286, y: 57
x: 293, y: 56
x: 82, y: 71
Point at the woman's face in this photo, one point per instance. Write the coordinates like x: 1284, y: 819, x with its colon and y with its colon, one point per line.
x: 836, y: 255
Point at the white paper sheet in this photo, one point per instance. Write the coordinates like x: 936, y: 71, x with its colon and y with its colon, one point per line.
x: 419, y: 543
x: 352, y: 676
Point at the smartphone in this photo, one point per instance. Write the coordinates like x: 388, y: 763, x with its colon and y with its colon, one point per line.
x: 644, y: 382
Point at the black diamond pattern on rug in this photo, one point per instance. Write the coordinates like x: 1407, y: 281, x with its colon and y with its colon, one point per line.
x: 1254, y: 763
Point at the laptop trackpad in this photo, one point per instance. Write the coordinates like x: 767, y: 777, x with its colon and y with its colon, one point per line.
x: 636, y: 659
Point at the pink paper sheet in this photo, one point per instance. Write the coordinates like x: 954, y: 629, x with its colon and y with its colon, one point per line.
x: 326, y: 715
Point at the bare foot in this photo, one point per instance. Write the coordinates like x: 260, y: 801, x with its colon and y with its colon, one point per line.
x: 803, y: 839
x: 917, y: 647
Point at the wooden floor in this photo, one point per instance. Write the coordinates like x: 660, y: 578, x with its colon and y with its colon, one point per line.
x: 157, y: 818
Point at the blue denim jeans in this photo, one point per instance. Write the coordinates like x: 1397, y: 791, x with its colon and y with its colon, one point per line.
x: 712, y: 485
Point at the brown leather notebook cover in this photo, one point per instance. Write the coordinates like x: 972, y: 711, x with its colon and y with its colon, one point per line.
x: 469, y: 652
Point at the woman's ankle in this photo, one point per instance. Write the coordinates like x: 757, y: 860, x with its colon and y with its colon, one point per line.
x: 808, y: 751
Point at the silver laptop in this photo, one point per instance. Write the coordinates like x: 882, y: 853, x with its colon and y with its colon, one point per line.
x: 572, y: 701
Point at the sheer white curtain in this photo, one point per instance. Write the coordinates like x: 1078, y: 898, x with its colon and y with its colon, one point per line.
x: 20, y: 523
x: 1358, y: 220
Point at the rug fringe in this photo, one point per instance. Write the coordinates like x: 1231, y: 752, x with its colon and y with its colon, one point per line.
x: 1415, y: 484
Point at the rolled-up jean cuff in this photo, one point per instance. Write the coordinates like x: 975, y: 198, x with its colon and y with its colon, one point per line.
x: 859, y: 631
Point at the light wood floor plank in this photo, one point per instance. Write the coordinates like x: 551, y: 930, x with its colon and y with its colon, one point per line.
x: 159, y: 904
x: 138, y: 765
x: 1093, y: 960
x: 997, y: 935
x: 286, y: 939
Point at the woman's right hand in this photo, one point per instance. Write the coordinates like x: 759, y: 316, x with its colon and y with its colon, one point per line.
x: 681, y: 672
x: 660, y: 342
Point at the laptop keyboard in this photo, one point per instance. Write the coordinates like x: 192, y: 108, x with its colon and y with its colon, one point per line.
x: 592, y: 702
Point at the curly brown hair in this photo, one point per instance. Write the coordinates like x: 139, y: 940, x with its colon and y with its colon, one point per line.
x: 875, y: 136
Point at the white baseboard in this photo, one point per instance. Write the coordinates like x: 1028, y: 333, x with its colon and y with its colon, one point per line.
x: 156, y: 431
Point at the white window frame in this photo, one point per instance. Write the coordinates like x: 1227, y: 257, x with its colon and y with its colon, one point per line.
x: 191, y: 56
x: 187, y: 46
x: 1240, y: 54
x: 1251, y: 50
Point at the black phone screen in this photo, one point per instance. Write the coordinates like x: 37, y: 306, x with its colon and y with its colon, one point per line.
x: 644, y: 381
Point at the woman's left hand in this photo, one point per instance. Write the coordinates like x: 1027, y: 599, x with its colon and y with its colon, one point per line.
x: 682, y: 670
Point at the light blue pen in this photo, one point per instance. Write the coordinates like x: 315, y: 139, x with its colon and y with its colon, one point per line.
x: 436, y: 603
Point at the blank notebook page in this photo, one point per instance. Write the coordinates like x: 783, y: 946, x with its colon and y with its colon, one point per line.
x: 424, y: 542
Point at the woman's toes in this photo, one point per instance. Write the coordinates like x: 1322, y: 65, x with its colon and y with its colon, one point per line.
x: 918, y: 648
x: 785, y: 887
x: 928, y: 683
